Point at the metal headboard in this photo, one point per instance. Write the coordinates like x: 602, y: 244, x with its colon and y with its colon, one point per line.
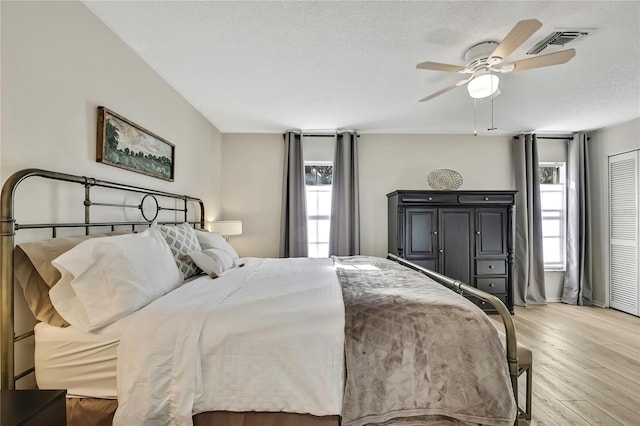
x: 9, y: 226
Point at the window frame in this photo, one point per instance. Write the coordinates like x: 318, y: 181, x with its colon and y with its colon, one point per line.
x: 562, y: 175
x: 317, y: 217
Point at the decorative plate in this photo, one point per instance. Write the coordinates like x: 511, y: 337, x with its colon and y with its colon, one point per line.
x: 444, y: 179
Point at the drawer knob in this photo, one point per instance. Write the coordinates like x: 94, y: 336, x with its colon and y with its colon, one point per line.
x: 429, y: 198
x: 492, y: 285
x: 486, y: 198
x: 435, y: 232
x: 477, y: 232
x: 490, y: 266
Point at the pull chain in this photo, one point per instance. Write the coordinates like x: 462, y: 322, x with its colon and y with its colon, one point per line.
x: 492, y: 126
x: 475, y: 117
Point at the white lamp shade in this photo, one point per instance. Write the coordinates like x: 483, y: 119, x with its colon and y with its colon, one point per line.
x: 483, y: 86
x: 226, y: 227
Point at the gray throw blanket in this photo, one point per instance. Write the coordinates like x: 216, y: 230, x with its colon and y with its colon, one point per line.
x: 417, y: 352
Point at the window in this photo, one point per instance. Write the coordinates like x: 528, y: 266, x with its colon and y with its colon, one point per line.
x: 552, y: 195
x: 318, y: 178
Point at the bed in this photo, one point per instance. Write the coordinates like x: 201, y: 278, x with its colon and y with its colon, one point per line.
x: 347, y: 340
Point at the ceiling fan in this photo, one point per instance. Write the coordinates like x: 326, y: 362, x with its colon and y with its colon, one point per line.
x: 486, y: 59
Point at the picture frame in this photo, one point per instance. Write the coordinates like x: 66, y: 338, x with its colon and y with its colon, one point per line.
x: 127, y: 145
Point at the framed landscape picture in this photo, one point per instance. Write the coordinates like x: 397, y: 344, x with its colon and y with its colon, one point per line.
x: 123, y: 143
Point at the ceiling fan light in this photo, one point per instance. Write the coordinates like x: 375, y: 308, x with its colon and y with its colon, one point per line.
x: 483, y: 86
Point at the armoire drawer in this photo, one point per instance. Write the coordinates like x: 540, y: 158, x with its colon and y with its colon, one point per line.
x: 492, y: 285
x: 486, y: 305
x: 486, y: 198
x: 429, y: 197
x: 491, y: 267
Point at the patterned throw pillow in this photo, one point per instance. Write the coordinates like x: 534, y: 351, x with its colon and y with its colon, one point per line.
x: 182, y: 240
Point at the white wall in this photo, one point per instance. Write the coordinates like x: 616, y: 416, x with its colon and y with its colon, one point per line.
x: 602, y: 144
x: 59, y: 62
x: 252, y: 188
x: 1, y: 111
x: 318, y: 148
x: 390, y: 162
x: 252, y: 179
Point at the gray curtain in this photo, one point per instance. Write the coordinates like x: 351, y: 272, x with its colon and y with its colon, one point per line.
x: 528, y: 262
x: 344, y: 232
x: 577, y: 278
x: 293, y: 229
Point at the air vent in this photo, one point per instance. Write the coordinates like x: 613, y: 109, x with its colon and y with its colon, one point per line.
x: 557, y: 39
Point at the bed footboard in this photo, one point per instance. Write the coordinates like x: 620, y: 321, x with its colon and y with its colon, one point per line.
x: 462, y: 288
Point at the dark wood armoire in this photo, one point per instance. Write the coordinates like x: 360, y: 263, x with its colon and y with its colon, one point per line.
x: 465, y: 235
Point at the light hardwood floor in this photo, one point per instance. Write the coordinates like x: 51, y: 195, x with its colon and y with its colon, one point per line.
x: 586, y: 364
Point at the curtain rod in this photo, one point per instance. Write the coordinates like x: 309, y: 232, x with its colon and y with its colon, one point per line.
x: 322, y: 133
x: 566, y: 138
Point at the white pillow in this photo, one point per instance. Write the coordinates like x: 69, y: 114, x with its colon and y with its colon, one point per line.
x: 210, y: 240
x: 113, y: 277
x: 213, y: 261
x: 76, y: 260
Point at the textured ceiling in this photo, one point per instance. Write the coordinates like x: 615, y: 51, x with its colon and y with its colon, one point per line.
x: 268, y: 66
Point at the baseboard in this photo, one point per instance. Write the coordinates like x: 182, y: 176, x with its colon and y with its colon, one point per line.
x: 595, y: 302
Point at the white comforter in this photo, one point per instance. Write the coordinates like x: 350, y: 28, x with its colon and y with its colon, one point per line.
x: 265, y: 337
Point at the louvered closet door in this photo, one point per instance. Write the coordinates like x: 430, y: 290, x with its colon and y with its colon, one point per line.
x: 624, y: 260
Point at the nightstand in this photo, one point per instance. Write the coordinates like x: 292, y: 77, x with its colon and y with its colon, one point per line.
x: 33, y: 408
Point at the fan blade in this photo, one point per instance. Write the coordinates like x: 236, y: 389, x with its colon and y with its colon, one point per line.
x: 446, y: 89
x: 438, y: 93
x: 436, y: 66
x: 518, y: 35
x: 555, y: 58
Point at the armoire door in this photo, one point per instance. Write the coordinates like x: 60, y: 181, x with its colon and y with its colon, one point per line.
x: 422, y: 236
x: 455, y: 243
x: 624, y: 232
x: 491, y: 232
